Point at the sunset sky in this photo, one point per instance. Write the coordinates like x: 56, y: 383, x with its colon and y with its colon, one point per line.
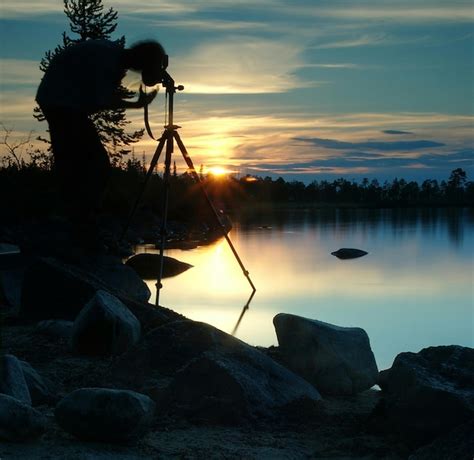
x: 300, y: 89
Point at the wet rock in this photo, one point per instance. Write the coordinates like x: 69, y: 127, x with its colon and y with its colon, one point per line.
x: 40, y: 389
x: 349, y: 253
x: 216, y: 376
x: 148, y: 265
x: 105, y: 326
x: 336, y: 360
x: 12, y: 379
x: 106, y: 415
x: 55, y: 328
x: 426, y: 394
x: 18, y: 420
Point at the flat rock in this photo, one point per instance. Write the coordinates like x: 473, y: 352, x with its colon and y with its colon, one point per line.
x: 349, y: 253
x: 106, y: 415
x: 147, y: 265
x: 105, y: 326
x: 19, y: 421
x: 12, y: 379
x: 336, y: 360
x: 215, y: 376
x: 427, y: 394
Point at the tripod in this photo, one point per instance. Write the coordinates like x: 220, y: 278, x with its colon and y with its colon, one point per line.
x: 168, y: 137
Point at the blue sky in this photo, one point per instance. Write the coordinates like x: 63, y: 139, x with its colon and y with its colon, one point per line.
x: 302, y: 89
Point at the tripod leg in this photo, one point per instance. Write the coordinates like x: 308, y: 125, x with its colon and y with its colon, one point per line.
x: 196, y: 177
x: 149, y: 173
x: 164, y: 213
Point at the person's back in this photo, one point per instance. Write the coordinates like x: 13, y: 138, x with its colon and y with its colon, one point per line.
x: 83, y: 77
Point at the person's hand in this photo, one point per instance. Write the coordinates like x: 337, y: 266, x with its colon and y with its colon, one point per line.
x: 145, y: 98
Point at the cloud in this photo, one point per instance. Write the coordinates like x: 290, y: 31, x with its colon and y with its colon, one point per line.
x: 384, y: 146
x: 394, y: 131
x: 241, y: 66
x: 19, y: 72
x: 403, y: 12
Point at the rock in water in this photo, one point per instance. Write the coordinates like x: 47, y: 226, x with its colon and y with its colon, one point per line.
x: 105, y: 326
x: 336, y: 360
x: 106, y: 415
x: 148, y: 265
x: 12, y: 379
x: 18, y: 420
x: 426, y: 394
x: 349, y: 253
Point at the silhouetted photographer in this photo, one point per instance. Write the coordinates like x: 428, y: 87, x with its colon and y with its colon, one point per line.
x: 80, y: 81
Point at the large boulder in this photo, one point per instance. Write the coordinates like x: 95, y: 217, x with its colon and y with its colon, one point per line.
x: 41, y: 389
x: 18, y: 420
x: 55, y: 290
x: 106, y: 415
x: 336, y: 360
x: 105, y: 326
x: 114, y: 273
x: 12, y: 379
x: 426, y: 394
x: 215, y: 376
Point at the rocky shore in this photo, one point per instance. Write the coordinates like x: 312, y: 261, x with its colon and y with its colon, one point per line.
x: 90, y: 369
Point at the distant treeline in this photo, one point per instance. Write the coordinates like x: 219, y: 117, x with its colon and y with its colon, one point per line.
x: 31, y: 190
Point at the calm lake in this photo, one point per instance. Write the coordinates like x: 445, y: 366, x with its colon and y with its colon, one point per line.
x: 414, y: 288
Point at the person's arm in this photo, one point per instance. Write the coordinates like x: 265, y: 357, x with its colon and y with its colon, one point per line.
x: 143, y: 99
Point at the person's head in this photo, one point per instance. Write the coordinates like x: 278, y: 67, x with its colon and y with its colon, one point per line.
x: 149, y: 57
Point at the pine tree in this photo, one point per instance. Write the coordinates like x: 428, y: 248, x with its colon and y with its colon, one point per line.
x: 89, y: 21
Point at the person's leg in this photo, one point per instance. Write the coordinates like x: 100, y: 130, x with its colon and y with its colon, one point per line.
x: 82, y: 169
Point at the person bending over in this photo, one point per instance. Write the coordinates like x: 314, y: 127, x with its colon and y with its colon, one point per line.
x: 81, y: 80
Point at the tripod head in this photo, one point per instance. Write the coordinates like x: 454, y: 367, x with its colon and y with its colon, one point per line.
x: 166, y: 80
x: 168, y: 83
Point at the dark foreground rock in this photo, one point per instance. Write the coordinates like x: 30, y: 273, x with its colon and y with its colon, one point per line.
x: 106, y: 415
x: 12, y: 379
x: 215, y: 376
x: 104, y: 326
x: 349, y: 253
x: 458, y: 444
x: 55, y: 290
x: 148, y: 265
x: 40, y: 388
x: 18, y: 420
x: 427, y: 394
x: 55, y: 328
x: 336, y: 360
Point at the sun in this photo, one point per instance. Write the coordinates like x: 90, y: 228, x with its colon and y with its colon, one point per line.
x: 218, y: 171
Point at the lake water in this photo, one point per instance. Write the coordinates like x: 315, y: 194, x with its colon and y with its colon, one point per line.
x: 414, y: 289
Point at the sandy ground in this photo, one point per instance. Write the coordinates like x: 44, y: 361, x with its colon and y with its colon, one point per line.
x: 340, y: 429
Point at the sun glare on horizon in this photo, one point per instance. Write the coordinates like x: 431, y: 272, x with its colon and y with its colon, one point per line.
x: 219, y: 171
